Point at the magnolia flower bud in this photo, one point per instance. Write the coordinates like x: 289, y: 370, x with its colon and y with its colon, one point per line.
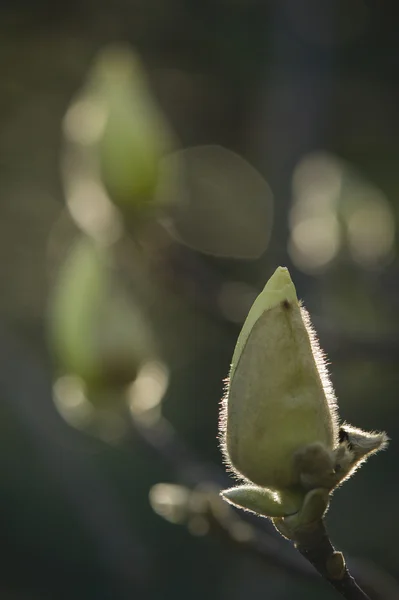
x: 116, y: 141
x: 95, y: 329
x: 278, y: 398
x: 279, y: 425
x: 135, y: 136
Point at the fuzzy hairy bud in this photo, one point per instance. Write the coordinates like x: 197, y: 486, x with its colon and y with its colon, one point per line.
x: 279, y: 426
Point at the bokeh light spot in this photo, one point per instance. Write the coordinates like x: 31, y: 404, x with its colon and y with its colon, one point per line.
x: 84, y: 122
x: 371, y: 231
x: 146, y: 392
x: 92, y: 210
x: 315, y: 231
x: 314, y: 242
x: 71, y: 402
x: 170, y: 501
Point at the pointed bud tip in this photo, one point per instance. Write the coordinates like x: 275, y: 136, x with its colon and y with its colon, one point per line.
x: 279, y: 288
x: 383, y: 439
x: 280, y: 278
x: 227, y: 494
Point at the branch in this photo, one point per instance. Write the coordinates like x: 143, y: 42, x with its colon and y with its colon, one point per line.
x: 247, y: 532
x: 227, y: 524
x: 315, y: 545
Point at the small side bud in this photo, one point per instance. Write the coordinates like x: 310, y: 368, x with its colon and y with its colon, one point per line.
x: 312, y: 511
x: 355, y: 448
x: 262, y: 501
x: 314, y: 506
x: 336, y: 565
x: 363, y: 443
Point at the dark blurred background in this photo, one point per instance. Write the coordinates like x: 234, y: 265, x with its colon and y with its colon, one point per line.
x: 306, y: 92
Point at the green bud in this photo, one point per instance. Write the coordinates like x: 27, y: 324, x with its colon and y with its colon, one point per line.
x: 278, y: 424
x: 315, y: 505
x: 279, y: 399
x: 116, y: 140
x: 263, y: 501
x: 135, y: 136
x: 95, y: 330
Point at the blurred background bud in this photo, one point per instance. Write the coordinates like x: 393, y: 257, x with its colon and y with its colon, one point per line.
x: 116, y: 137
x: 96, y: 330
x: 135, y: 136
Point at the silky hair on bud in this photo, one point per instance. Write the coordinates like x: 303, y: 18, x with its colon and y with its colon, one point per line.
x: 279, y: 429
x: 364, y: 442
x: 278, y: 397
x: 222, y: 426
x: 322, y: 367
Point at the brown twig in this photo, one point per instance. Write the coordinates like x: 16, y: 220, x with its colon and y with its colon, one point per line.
x: 227, y: 524
x: 315, y: 545
x: 224, y: 522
